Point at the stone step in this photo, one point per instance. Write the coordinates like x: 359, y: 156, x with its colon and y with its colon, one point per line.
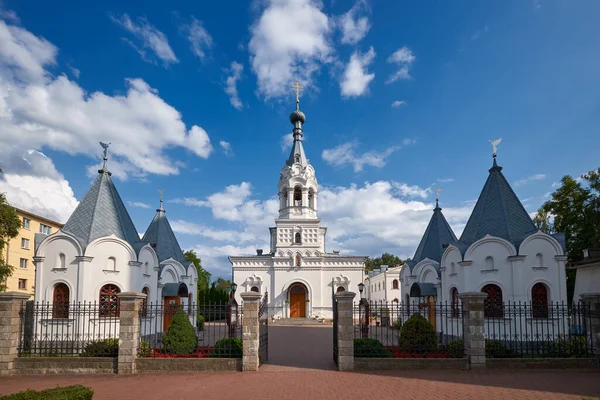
x: 296, y: 321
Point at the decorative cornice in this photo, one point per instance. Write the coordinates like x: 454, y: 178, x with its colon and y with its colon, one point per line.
x: 110, y: 271
x: 489, y: 271
x: 135, y: 263
x: 37, y: 259
x: 520, y: 257
x: 560, y: 257
x: 540, y: 268
x: 84, y: 258
x: 465, y: 263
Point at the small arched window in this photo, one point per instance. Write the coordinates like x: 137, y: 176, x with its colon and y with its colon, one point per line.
x: 539, y: 260
x: 340, y: 289
x: 489, y: 263
x: 145, y: 291
x: 452, y: 268
x: 298, y: 238
x: 111, y: 264
x: 493, y: 306
x: 146, y: 268
x: 109, y: 302
x: 539, y: 301
x: 379, y: 286
x: 297, y: 196
x: 455, y: 300
x: 254, y: 289
x: 395, y: 301
x: 298, y: 259
x: 395, y: 284
x: 60, y: 301
x: 297, y: 158
x: 311, y: 198
x: 61, y: 261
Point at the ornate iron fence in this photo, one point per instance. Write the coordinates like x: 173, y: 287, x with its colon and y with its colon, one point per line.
x: 526, y: 330
x: 63, y: 329
x: 383, y: 329
x: 334, y: 303
x: 263, y: 329
x: 212, y: 329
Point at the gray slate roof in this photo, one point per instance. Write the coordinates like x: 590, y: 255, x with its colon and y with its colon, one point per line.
x: 297, y: 149
x: 498, y: 212
x: 437, y: 234
x: 102, y: 213
x: 160, y: 235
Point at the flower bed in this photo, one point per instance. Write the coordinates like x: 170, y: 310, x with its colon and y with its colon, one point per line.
x: 201, y: 352
x: 398, y: 353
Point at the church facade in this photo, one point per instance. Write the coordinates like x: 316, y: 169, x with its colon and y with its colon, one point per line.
x: 298, y: 274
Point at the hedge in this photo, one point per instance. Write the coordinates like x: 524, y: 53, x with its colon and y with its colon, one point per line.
x: 417, y: 335
x: 75, y: 392
x: 370, y: 348
x: 228, y: 348
x: 102, y: 348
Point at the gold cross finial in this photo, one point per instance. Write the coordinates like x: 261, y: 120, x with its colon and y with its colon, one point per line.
x: 298, y: 87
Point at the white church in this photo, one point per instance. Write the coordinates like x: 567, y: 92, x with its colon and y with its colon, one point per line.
x: 298, y: 274
x: 99, y: 253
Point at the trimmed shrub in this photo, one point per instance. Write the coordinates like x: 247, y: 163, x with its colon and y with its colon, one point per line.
x: 455, y: 348
x: 573, y: 346
x: 102, y: 348
x: 145, y: 349
x: 495, y: 349
x: 181, y: 337
x: 75, y: 392
x: 417, y: 335
x: 228, y: 348
x: 200, y: 322
x: 370, y: 348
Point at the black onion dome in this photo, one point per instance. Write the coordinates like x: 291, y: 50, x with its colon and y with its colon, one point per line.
x: 297, y: 116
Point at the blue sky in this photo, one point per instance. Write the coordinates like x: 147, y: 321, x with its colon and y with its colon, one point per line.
x: 401, y: 98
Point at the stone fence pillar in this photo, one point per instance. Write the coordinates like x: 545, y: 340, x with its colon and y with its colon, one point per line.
x: 250, y: 331
x: 473, y: 328
x: 345, y: 330
x: 129, y: 330
x: 592, y: 301
x: 11, y: 304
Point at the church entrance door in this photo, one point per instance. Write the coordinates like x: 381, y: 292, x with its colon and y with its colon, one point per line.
x: 298, y: 301
x: 171, y: 305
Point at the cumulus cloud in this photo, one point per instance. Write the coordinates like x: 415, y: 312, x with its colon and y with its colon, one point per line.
x: 235, y: 73
x: 398, y: 103
x: 226, y: 146
x: 445, y: 180
x: 529, y: 179
x: 356, y: 80
x: 402, y: 58
x: 355, y: 23
x: 138, y: 204
x: 151, y: 43
x: 286, y: 141
x: 289, y: 41
x: 346, y: 154
x: 198, y: 37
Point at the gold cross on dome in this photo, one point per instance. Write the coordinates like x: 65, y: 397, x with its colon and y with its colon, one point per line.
x: 298, y: 87
x: 437, y: 193
x: 160, y: 192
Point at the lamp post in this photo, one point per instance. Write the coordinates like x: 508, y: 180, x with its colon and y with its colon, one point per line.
x: 363, y: 313
x: 232, y: 311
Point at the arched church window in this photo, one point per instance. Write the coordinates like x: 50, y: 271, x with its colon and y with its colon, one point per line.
x: 539, y: 301
x: 452, y: 268
x: 60, y: 301
x: 379, y: 286
x: 297, y: 196
x: 297, y: 260
x: 254, y: 289
x: 111, y: 264
x: 109, y: 302
x: 297, y: 158
x: 61, y: 261
x: 298, y: 238
x: 311, y: 198
x: 145, y: 291
x: 340, y: 289
x: 493, y: 306
x: 539, y: 260
x: 454, y: 304
x: 395, y: 284
x: 489, y: 263
x: 395, y: 301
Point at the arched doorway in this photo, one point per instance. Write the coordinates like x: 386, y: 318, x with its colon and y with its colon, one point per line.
x: 298, y: 297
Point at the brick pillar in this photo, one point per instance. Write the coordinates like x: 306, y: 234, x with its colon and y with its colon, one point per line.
x: 592, y: 301
x: 345, y: 330
x: 10, y: 306
x: 473, y: 328
x: 129, y: 330
x: 250, y: 331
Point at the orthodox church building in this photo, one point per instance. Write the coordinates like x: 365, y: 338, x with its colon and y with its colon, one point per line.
x: 298, y: 274
x: 99, y: 253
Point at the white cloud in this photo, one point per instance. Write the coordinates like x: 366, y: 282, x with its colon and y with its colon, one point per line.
x: 403, y: 58
x: 40, y: 111
x: 398, y: 103
x: 8, y: 15
x: 556, y: 184
x: 76, y: 73
x: 199, y: 38
x: 138, y: 204
x: 525, y: 181
x: 354, y: 24
x: 409, y: 141
x: 235, y: 72
x: 286, y: 141
x: 226, y: 146
x: 406, y: 190
x: 356, y: 79
x: 477, y: 34
x: 445, y: 180
x: 150, y: 39
x: 289, y: 41
x: 345, y: 154
x: 190, y: 228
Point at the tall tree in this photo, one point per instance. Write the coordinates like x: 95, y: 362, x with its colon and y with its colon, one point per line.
x: 385, y: 259
x: 222, y: 284
x: 9, y: 228
x: 203, y: 275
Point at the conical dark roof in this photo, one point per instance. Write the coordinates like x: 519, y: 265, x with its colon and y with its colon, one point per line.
x: 437, y: 234
x: 160, y: 235
x: 102, y: 213
x: 498, y: 212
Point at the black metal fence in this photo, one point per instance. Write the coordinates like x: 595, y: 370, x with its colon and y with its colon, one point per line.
x: 214, y: 330
x: 334, y: 304
x: 385, y: 330
x: 61, y: 329
x: 525, y: 330
x: 263, y: 329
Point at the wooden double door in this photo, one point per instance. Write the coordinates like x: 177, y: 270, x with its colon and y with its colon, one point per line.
x: 298, y: 301
x: 171, y: 305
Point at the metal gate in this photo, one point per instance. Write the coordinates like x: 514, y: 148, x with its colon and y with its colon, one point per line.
x: 263, y: 329
x: 335, y: 328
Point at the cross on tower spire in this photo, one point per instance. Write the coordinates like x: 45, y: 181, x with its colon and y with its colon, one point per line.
x: 437, y: 197
x: 160, y: 193
x: 298, y: 87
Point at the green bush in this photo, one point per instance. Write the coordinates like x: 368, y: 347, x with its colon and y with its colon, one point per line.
x: 145, y: 349
x: 370, y: 348
x: 573, y: 346
x: 102, y: 348
x: 397, y: 325
x: 200, y: 322
x: 455, y: 348
x: 417, y: 335
x: 495, y: 349
x: 75, y: 392
x: 181, y: 337
x: 228, y: 348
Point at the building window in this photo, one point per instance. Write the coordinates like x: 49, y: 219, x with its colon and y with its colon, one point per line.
x: 340, y: 289
x: 493, y: 306
x: 395, y: 284
x: 539, y: 260
x: 454, y: 304
x: 297, y: 158
x: 61, y: 261
x: 145, y: 291
x: 297, y: 196
x: 111, y: 264
x: 22, y: 284
x: 395, y: 301
x: 25, y: 243
x: 26, y: 222
x: 489, y: 263
x: 45, y: 229
x: 539, y: 301
x: 298, y: 238
x: 60, y: 301
x: 23, y: 263
x: 379, y: 286
x: 297, y: 260
x: 254, y: 289
x: 109, y: 302
x: 452, y: 268
x: 311, y: 198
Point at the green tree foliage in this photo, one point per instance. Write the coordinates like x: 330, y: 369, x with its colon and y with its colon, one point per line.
x: 75, y: 392
x: 181, y: 337
x: 385, y: 259
x: 203, y: 275
x: 9, y: 228
x: 417, y: 335
x: 222, y: 284
x: 228, y: 348
x: 370, y: 348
